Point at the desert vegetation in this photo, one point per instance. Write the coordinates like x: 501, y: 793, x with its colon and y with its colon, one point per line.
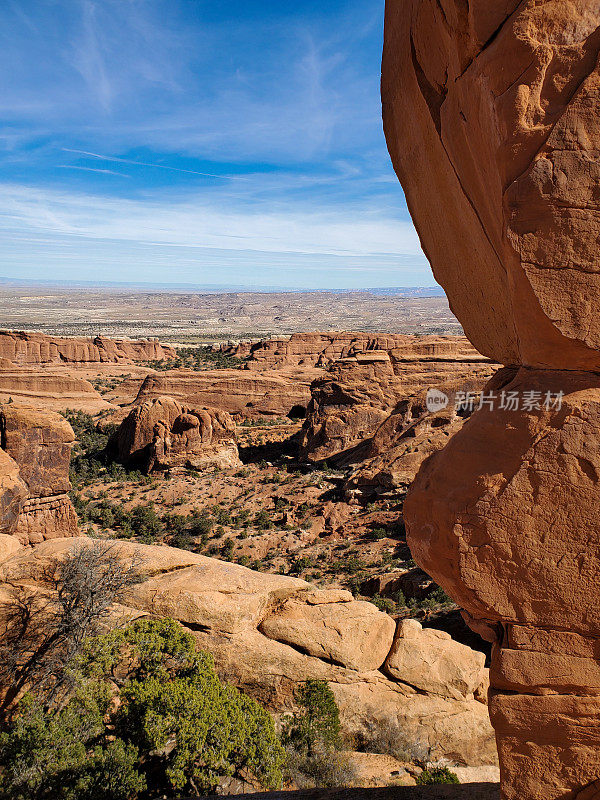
x: 197, y: 358
x: 133, y: 712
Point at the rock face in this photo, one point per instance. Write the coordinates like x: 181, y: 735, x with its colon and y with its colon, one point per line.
x: 391, y: 458
x: 50, y: 387
x: 430, y: 661
x: 381, y: 395
x: 490, y: 112
x: 34, y: 475
x: 347, y: 632
x: 316, y: 349
x: 238, y: 392
x: 491, y: 115
x: 162, y: 433
x: 269, y: 633
x: 25, y: 349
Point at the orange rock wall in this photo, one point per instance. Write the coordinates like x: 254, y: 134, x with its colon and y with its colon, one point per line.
x: 23, y: 348
x: 491, y: 111
x: 34, y: 475
x: 322, y: 349
x: 235, y: 391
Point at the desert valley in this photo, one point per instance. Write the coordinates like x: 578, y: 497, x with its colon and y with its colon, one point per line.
x: 262, y: 484
x: 320, y: 543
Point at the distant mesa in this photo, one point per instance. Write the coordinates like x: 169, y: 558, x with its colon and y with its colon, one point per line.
x: 23, y: 349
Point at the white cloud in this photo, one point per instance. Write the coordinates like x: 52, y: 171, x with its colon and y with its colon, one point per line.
x: 193, y: 221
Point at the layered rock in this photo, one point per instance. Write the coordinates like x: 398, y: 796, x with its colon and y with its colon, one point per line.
x: 34, y: 480
x: 50, y: 388
x: 24, y: 349
x: 491, y: 116
x: 321, y: 349
x: 161, y: 433
x: 238, y: 392
x: 381, y: 396
x: 269, y: 633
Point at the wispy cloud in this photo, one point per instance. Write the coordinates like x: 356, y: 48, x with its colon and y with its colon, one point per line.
x: 243, y: 129
x: 90, y: 57
x: 117, y: 160
x: 192, y: 221
x: 92, y: 169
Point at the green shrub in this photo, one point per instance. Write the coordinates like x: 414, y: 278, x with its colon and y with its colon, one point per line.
x: 227, y: 549
x: 384, y: 604
x: 300, y: 564
x: 177, y: 728
x: 145, y: 522
x: 318, y: 719
x: 436, y: 775
x: 313, y: 741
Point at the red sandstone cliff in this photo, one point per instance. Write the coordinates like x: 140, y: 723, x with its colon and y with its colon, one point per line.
x: 34, y: 475
x: 24, y: 348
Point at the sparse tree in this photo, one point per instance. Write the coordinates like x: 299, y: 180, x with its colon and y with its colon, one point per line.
x: 43, y: 632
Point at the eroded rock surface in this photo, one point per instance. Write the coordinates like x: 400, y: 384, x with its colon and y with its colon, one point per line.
x: 240, y: 393
x: 161, y: 433
x: 34, y: 475
x: 23, y: 349
x: 491, y: 115
x: 321, y: 349
x: 381, y: 395
x: 269, y: 633
x: 490, y: 110
x: 48, y: 387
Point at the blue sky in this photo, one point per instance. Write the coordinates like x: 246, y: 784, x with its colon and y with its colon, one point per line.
x: 199, y: 142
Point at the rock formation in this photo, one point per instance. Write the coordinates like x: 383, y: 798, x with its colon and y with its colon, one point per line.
x: 34, y: 475
x: 391, y: 458
x: 24, y: 349
x: 491, y: 115
x: 161, y: 433
x: 50, y: 388
x: 317, y: 349
x: 381, y: 394
x: 245, y: 395
x: 269, y: 633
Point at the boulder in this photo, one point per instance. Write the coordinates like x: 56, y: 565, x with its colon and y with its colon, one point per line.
x: 161, y: 433
x: 431, y: 661
x: 352, y: 634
